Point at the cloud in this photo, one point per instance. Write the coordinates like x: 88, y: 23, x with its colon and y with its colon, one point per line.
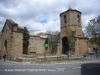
x: 43, y: 15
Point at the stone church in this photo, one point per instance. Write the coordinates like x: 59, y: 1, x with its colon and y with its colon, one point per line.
x: 11, y: 41
x: 72, y: 18
x: 11, y: 37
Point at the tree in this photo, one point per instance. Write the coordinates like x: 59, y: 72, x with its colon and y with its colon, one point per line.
x: 46, y: 41
x: 92, y: 40
x: 53, y: 41
x: 25, y: 40
x: 46, y: 47
x: 98, y: 42
x: 70, y: 38
x: 93, y: 27
x: 93, y: 31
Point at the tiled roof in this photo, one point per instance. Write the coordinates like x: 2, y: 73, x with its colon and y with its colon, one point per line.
x: 19, y: 27
x: 12, y: 23
x: 34, y: 35
x: 70, y: 8
x: 31, y: 34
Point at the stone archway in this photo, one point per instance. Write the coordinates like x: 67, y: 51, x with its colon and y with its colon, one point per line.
x: 65, y: 45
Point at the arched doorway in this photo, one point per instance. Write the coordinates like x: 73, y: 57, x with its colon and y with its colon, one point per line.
x: 65, y: 45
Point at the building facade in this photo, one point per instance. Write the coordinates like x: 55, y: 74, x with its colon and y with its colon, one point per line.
x: 72, y: 18
x: 12, y: 39
x: 36, y: 44
x: 0, y: 40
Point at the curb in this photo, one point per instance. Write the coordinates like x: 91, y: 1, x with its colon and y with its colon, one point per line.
x: 44, y: 63
x: 66, y: 62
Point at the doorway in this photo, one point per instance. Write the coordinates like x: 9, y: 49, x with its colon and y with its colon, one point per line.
x: 65, y: 45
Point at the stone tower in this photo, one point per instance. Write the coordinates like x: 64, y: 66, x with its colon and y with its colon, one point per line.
x: 71, y: 18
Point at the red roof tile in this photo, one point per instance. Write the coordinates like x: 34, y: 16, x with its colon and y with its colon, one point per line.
x: 70, y: 8
x: 19, y: 27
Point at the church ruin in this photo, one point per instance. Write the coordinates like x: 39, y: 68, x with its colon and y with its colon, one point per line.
x: 11, y: 37
x: 72, y: 18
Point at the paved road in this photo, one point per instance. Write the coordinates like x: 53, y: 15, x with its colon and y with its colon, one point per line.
x: 87, y: 68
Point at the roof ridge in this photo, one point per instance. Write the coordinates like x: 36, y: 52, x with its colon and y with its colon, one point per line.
x: 12, y: 21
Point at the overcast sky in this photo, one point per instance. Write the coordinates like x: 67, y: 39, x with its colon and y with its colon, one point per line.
x: 43, y: 15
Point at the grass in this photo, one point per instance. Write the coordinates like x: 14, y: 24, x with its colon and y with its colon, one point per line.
x: 52, y: 60
x: 58, y: 60
x: 31, y: 55
x: 65, y: 59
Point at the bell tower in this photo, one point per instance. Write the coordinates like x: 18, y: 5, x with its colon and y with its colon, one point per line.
x: 72, y: 18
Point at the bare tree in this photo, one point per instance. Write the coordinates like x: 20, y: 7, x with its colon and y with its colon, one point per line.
x: 53, y: 41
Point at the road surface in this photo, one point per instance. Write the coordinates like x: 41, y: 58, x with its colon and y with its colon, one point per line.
x: 79, y: 68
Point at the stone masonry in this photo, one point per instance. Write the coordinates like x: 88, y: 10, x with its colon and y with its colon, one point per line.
x: 36, y: 44
x: 0, y: 40
x: 72, y: 18
x: 12, y: 39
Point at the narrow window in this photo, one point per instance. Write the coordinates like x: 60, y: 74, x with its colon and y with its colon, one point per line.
x: 65, y: 21
x: 78, y: 18
x: 6, y: 30
x: 64, y: 18
x: 5, y: 44
x: 65, y: 26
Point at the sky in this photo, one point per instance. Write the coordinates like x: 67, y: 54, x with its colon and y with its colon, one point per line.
x: 43, y: 15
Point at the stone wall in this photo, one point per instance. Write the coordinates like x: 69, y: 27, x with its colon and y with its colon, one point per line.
x: 72, y: 21
x: 12, y: 39
x: 6, y: 40
x: 17, y: 45
x: 0, y: 41
x: 81, y: 46
x: 72, y: 18
x: 37, y: 43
